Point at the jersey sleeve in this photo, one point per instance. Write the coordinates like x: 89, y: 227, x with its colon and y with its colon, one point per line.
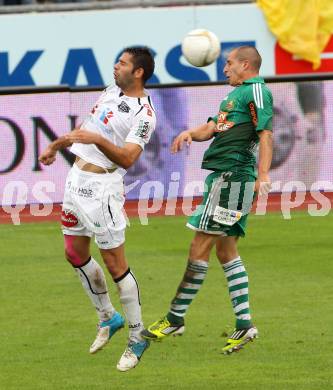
x: 260, y: 105
x: 142, y: 127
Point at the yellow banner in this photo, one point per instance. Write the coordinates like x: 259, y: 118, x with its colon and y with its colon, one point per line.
x: 302, y: 27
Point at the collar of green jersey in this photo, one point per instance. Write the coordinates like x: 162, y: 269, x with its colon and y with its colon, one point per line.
x: 254, y: 80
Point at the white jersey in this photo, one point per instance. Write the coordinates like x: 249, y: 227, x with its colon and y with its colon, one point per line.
x: 118, y: 118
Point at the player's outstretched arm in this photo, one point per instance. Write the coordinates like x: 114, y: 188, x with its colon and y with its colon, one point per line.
x: 49, y: 155
x: 201, y: 133
x: 263, y: 183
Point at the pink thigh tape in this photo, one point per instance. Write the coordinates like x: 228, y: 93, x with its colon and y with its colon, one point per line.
x: 73, y: 257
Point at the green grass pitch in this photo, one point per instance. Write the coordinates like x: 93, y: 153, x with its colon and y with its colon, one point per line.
x: 47, y: 322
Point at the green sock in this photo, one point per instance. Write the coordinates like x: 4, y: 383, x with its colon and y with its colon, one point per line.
x: 238, y: 284
x: 193, y: 278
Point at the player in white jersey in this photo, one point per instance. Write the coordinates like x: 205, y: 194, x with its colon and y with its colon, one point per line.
x: 108, y: 142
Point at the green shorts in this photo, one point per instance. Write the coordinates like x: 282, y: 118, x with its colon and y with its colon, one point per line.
x: 227, y: 201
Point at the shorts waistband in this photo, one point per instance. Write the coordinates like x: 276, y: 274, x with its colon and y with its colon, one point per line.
x: 86, y: 167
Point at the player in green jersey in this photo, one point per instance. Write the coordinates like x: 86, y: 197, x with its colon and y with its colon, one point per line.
x: 244, y: 120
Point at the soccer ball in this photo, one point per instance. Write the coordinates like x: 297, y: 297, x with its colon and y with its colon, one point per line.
x: 201, y: 47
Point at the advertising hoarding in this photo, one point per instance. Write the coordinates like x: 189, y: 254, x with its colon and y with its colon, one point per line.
x: 79, y: 48
x: 28, y: 122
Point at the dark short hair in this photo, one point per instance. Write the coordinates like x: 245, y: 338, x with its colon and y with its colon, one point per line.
x: 251, y: 54
x: 142, y: 58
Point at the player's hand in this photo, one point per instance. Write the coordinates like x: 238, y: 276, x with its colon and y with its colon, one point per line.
x: 48, y: 156
x: 263, y: 184
x: 178, y: 142
x: 82, y: 137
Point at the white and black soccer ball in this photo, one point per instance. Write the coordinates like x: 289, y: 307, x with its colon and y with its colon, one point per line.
x: 201, y: 47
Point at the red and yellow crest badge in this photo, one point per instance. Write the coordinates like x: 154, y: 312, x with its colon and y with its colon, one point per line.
x: 222, y: 123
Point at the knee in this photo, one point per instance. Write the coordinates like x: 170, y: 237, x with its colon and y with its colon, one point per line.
x: 200, y: 247
x: 226, y: 254
x: 193, y: 249
x: 72, y: 254
x: 115, y: 261
x: 112, y: 265
x: 221, y: 255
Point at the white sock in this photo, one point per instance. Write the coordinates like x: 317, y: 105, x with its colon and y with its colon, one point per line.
x: 93, y: 281
x: 130, y: 299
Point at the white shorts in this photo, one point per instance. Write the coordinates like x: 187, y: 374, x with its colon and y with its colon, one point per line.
x: 93, y: 205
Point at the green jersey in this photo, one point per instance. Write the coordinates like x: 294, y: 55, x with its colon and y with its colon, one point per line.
x: 247, y: 110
